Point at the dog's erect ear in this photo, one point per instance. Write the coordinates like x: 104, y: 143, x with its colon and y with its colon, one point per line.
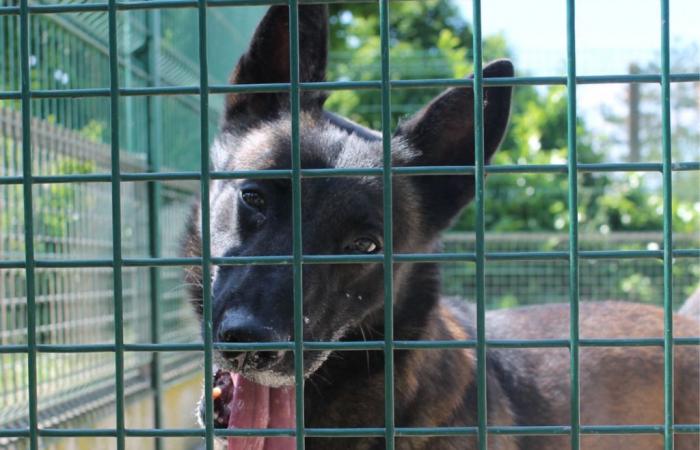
x: 267, y: 61
x: 443, y: 134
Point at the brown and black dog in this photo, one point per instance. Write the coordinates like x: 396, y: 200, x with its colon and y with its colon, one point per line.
x: 344, y: 302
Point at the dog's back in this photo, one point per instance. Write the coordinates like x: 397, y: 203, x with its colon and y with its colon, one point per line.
x: 691, y: 307
x: 618, y: 385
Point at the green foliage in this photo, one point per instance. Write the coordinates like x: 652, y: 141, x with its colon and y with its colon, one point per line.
x: 55, y: 203
x: 429, y: 39
x: 538, y: 202
x: 94, y: 130
x: 685, y: 134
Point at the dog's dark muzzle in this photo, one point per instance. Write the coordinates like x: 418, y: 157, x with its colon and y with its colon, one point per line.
x: 238, y: 328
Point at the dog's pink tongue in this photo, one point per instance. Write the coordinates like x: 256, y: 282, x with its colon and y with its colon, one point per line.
x: 281, y: 416
x: 256, y: 406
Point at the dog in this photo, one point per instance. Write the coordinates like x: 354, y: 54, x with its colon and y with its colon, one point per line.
x: 344, y: 302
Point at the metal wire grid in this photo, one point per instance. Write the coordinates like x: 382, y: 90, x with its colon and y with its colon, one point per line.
x: 74, y: 306
x: 117, y: 263
x: 510, y: 283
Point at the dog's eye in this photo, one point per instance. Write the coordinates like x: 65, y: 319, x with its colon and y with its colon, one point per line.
x: 363, y: 245
x: 254, y: 199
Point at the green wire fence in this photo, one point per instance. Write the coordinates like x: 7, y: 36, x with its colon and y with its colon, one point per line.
x: 121, y: 87
x: 71, y: 136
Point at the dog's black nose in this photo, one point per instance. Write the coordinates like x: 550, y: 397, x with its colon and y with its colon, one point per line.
x: 236, y: 328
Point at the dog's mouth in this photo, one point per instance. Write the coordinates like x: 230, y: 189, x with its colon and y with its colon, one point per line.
x: 272, y: 369
x: 240, y: 403
x: 255, y: 390
x: 247, y: 398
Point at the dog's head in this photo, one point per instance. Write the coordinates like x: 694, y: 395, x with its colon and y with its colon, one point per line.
x: 340, y: 215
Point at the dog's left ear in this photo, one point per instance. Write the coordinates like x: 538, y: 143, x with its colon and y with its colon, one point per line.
x: 442, y: 134
x: 267, y: 61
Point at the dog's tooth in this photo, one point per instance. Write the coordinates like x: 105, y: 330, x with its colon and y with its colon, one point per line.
x: 359, y: 297
x: 238, y: 361
x: 347, y: 295
x: 306, y: 320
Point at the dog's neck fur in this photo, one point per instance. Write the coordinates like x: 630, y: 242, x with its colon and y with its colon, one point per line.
x: 421, y: 383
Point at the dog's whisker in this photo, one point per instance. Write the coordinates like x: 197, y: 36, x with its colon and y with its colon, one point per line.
x: 181, y: 286
x: 364, y: 338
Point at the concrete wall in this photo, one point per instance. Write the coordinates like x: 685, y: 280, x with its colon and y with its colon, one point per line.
x: 179, y: 400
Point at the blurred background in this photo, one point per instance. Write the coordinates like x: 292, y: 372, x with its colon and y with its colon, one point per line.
x: 429, y: 39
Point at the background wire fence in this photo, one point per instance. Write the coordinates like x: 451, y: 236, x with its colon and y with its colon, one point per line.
x: 521, y: 283
x: 70, y: 136
x: 75, y: 306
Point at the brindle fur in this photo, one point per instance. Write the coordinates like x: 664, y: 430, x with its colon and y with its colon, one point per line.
x: 432, y: 387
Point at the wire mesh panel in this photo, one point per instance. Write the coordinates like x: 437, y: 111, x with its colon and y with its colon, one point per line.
x: 87, y: 313
x: 74, y: 306
x: 518, y: 283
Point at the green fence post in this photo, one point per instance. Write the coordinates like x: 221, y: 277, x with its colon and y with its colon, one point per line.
x: 206, y: 232
x: 155, y: 148
x: 387, y: 196
x: 479, y: 225
x: 572, y: 166
x: 668, y: 223
x: 116, y: 224
x: 29, y: 263
x: 297, y: 245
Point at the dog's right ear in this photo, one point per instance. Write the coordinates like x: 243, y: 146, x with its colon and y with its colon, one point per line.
x: 442, y: 134
x: 267, y: 61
